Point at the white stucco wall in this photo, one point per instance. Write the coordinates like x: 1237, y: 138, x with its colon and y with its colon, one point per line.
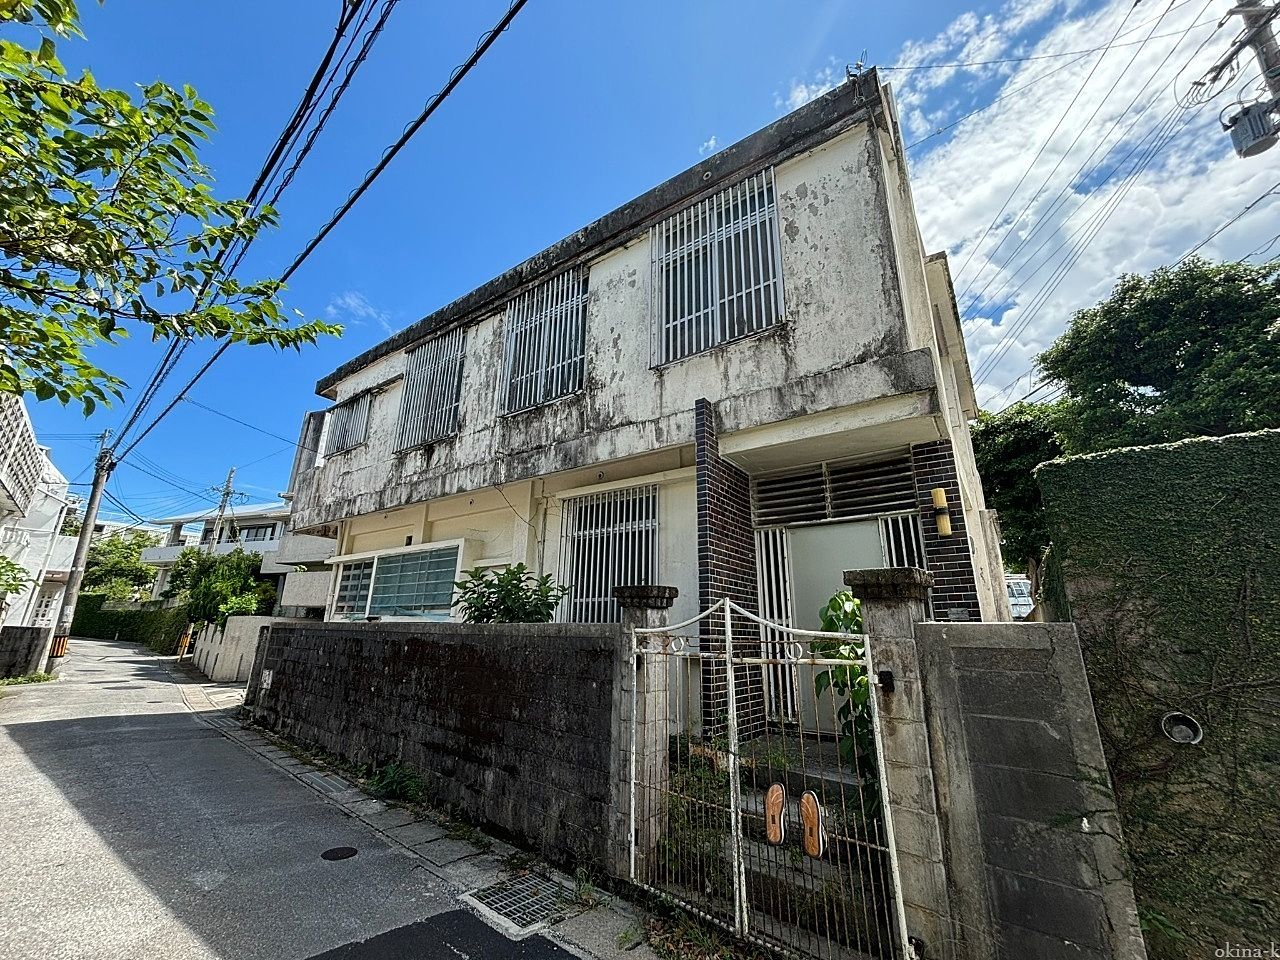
x: 227, y: 656
x: 845, y: 341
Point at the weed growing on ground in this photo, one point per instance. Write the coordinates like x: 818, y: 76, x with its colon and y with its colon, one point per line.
x: 630, y: 937
x: 675, y: 936
x: 397, y: 782
x: 27, y: 678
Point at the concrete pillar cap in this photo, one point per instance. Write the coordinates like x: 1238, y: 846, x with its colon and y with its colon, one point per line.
x: 889, y: 583
x: 648, y: 597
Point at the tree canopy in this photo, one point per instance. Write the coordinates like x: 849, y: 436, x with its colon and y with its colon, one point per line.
x: 1008, y: 446
x: 114, y: 565
x: 1188, y: 351
x: 108, y: 221
x: 216, y: 586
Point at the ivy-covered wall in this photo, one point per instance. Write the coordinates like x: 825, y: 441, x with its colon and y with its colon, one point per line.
x: 1168, y: 560
x: 151, y: 625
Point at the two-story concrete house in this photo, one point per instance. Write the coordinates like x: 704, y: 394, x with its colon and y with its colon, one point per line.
x: 742, y: 382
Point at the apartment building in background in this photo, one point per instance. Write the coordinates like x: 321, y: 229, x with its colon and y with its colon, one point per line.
x: 294, y: 564
x: 743, y: 382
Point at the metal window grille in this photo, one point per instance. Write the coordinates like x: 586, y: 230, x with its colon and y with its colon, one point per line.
x: 717, y: 269
x: 432, y: 389
x: 903, y: 543
x: 608, y: 540
x: 773, y: 588
x: 347, y: 425
x: 842, y: 489
x: 546, y: 338
x: 353, y: 588
x: 407, y: 584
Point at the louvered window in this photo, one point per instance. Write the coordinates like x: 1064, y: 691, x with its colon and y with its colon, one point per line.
x: 716, y: 273
x: 842, y: 490
x: 347, y: 425
x: 607, y: 540
x: 432, y: 389
x: 546, y: 336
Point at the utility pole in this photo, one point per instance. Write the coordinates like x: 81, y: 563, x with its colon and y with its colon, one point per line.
x: 1256, y: 126
x: 102, y: 468
x: 227, y: 491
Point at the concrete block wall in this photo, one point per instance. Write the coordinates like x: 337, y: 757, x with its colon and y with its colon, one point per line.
x: 227, y: 655
x: 19, y: 647
x: 1052, y: 854
x: 513, y: 724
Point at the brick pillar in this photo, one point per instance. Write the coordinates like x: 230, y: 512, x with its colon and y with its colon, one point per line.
x: 641, y: 684
x: 950, y: 559
x: 726, y: 568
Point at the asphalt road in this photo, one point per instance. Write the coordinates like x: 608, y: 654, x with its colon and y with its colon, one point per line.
x: 130, y: 829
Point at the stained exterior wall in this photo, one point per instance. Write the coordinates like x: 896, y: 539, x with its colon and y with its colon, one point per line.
x: 18, y: 649
x: 513, y: 724
x: 845, y: 341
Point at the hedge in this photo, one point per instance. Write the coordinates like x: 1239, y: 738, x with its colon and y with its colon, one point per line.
x: 156, y: 627
x: 1168, y: 560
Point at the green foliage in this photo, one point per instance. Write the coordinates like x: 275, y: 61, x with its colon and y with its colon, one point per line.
x: 1008, y: 446
x: 153, y: 626
x: 27, y: 678
x: 220, y: 585
x: 513, y: 595
x: 395, y: 781
x: 114, y: 566
x: 71, y: 524
x: 109, y: 224
x: 852, y: 692
x: 13, y: 577
x: 1188, y: 351
x: 1167, y: 557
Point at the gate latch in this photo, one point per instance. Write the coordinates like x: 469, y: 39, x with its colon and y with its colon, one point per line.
x: 885, y: 679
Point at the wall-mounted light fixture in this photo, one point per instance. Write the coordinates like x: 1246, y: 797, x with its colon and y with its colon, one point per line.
x: 941, y: 515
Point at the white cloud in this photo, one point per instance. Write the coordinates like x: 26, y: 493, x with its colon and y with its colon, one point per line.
x: 801, y: 92
x: 710, y: 145
x: 351, y: 307
x: 1054, y: 249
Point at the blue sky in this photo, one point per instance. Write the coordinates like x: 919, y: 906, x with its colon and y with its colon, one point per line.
x: 577, y: 109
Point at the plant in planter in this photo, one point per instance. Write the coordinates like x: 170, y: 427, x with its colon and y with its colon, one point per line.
x: 512, y: 595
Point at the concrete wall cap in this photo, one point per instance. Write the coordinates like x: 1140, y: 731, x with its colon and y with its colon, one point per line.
x: 650, y: 597
x: 889, y: 583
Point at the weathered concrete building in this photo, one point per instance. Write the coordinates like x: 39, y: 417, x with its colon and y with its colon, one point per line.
x: 744, y: 381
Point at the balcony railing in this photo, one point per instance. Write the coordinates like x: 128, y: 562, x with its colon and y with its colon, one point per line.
x: 170, y: 554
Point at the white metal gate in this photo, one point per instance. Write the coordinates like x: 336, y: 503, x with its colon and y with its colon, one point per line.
x: 709, y: 769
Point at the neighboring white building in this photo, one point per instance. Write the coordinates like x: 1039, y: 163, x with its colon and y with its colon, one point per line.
x: 33, y: 503
x: 296, y: 564
x: 742, y: 382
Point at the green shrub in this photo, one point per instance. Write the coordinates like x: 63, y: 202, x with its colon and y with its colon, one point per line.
x: 155, y: 627
x: 513, y: 595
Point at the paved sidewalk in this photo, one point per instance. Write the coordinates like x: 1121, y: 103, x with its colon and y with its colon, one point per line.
x: 139, y: 820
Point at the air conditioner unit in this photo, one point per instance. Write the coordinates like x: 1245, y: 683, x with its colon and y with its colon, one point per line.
x: 1254, y: 129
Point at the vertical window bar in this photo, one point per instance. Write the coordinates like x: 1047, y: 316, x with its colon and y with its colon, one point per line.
x: 432, y: 389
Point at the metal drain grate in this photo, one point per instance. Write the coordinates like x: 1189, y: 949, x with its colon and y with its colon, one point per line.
x: 525, y: 901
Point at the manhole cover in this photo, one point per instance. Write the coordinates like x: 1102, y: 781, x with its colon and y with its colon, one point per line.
x: 339, y: 853
x: 524, y: 901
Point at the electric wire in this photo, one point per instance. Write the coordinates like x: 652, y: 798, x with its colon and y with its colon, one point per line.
x: 1044, y: 145
x: 487, y: 40
x: 1269, y: 192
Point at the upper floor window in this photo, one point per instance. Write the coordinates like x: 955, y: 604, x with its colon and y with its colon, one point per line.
x: 260, y: 531
x: 432, y: 387
x: 347, y: 425
x: 716, y: 273
x: 546, y: 334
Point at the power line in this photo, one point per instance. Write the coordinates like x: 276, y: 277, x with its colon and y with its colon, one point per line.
x: 245, y: 423
x: 1044, y: 145
x: 487, y: 40
x: 1269, y: 192
x: 1061, y: 197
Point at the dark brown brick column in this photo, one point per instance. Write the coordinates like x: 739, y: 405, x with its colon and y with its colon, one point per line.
x: 726, y: 568
x: 950, y: 559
